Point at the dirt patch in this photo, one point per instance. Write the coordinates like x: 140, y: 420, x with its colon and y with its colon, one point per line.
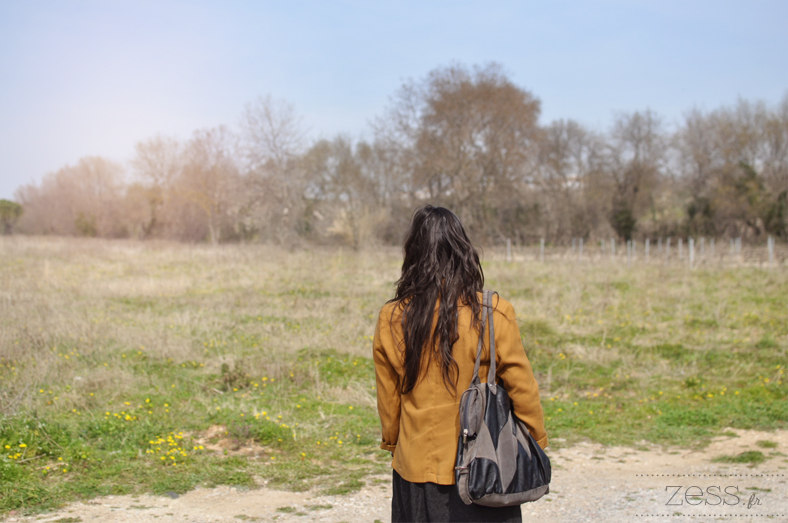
x: 596, y: 483
x: 217, y: 439
x: 590, y: 483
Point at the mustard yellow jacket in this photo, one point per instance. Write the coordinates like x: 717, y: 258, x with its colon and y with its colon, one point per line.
x: 422, y: 427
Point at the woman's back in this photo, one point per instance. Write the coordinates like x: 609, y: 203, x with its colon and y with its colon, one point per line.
x: 422, y: 427
x: 425, y: 351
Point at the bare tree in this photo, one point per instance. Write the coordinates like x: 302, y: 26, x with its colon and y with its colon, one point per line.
x: 775, y: 147
x: 210, y: 178
x: 272, y: 144
x: 157, y: 164
x: 464, y: 137
x: 272, y: 133
x: 573, y: 192
x: 636, y: 156
x: 734, y: 167
x: 470, y: 137
x: 343, y: 178
x: 84, y: 199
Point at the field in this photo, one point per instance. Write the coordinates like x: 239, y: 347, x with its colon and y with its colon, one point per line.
x: 155, y: 367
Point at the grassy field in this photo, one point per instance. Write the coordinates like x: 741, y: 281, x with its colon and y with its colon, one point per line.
x: 129, y: 367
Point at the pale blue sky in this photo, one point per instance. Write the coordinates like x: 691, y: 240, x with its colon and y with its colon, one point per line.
x: 94, y: 77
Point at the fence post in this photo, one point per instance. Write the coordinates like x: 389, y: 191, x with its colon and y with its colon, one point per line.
x: 541, y: 250
x: 508, y: 249
x: 702, y: 246
x: 681, y: 248
x: 691, y: 251
x: 629, y: 253
x: 770, y: 243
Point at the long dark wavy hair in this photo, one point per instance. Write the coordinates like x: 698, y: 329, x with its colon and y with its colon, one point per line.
x: 440, y: 264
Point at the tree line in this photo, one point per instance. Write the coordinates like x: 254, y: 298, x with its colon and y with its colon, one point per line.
x: 465, y: 138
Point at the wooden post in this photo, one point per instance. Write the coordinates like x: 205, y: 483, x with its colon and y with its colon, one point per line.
x: 691, y: 252
x: 770, y: 244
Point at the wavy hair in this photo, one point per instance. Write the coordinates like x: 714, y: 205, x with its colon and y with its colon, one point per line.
x: 440, y: 265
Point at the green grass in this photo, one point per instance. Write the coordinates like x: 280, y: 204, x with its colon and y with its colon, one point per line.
x: 319, y: 507
x: 300, y: 436
x: 249, y: 363
x: 752, y: 457
x: 656, y: 353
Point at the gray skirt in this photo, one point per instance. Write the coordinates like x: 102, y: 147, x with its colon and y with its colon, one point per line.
x: 413, y: 502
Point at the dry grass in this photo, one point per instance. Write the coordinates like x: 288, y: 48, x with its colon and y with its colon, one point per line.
x: 173, y: 300
x: 275, y: 345
x: 262, y: 304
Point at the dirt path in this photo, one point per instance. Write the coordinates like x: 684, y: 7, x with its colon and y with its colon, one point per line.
x: 590, y: 483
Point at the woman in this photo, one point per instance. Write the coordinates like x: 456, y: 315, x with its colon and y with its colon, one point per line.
x: 424, y: 351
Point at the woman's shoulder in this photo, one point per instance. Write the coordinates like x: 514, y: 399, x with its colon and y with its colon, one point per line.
x: 501, y: 306
x: 390, y: 312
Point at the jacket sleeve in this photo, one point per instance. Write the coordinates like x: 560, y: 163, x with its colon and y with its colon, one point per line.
x: 515, y: 370
x: 387, y: 384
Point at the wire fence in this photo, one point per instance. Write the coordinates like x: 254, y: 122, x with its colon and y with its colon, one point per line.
x: 690, y: 252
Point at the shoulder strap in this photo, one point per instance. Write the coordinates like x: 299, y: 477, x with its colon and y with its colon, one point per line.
x: 491, y: 380
x: 487, y: 320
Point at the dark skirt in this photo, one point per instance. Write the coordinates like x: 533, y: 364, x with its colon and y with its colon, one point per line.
x: 412, y: 502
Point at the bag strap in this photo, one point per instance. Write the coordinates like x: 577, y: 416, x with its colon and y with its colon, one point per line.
x: 490, y: 321
x: 487, y: 320
x: 475, y: 378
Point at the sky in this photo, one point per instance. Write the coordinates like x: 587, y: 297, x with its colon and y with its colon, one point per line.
x: 81, y: 78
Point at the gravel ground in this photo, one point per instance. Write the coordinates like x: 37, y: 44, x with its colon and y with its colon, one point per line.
x: 590, y: 483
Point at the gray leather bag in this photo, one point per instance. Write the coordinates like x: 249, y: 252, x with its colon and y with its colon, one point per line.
x: 498, y: 462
